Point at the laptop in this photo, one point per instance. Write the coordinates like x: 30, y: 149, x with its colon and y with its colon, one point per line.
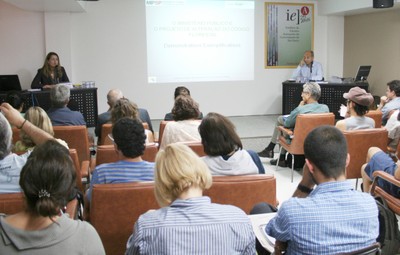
x: 362, y: 73
x: 9, y: 82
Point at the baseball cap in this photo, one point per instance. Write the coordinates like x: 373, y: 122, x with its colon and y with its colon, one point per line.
x: 359, y: 96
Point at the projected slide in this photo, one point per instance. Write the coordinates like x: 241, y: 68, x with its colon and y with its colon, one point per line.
x: 199, y: 40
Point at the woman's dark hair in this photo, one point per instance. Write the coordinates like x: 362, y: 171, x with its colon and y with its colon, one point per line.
x: 185, y: 108
x: 360, y: 110
x: 47, y: 179
x: 218, y: 135
x: 181, y: 91
x: 15, y: 99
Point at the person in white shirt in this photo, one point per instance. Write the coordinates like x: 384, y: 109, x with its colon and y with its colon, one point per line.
x: 308, y: 69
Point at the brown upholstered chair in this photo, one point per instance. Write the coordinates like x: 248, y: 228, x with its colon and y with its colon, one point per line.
x: 77, y: 138
x: 81, y: 168
x: 107, y: 154
x: 376, y: 115
x: 163, y: 123
x: 304, y: 124
x: 243, y: 191
x: 197, y: 147
x: 393, y: 202
x: 358, y: 143
x: 14, y: 202
x: 115, y: 208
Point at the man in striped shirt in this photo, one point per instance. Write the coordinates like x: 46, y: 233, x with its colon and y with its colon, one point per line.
x: 333, y: 218
x: 129, y: 142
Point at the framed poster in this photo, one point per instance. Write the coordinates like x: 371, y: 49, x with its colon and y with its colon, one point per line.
x: 289, y: 31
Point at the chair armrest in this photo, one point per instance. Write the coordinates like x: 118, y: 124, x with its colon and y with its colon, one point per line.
x: 386, y: 177
x: 287, y: 131
x: 85, y: 170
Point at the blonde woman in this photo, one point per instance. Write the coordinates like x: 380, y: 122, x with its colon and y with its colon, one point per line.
x: 188, y: 223
x: 38, y: 117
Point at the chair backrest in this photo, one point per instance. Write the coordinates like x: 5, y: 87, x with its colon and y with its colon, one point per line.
x: 392, y: 201
x: 107, y: 154
x: 74, y: 156
x: 243, y: 191
x: 304, y: 124
x: 14, y: 202
x: 76, y: 137
x: 373, y: 249
x: 163, y: 123
x: 115, y: 208
x: 376, y: 115
x: 197, y: 147
x: 358, y: 143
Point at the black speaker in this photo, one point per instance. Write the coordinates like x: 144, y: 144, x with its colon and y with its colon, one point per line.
x: 383, y: 3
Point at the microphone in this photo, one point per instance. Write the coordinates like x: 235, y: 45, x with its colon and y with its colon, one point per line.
x: 311, y: 67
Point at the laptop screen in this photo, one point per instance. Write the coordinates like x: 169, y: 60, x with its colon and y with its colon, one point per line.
x: 9, y: 82
x: 362, y: 73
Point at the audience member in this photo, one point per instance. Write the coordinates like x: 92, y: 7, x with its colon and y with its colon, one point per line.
x: 50, y: 74
x: 391, y: 101
x: 125, y: 108
x: 180, y: 91
x: 308, y: 69
x: 185, y: 127
x: 112, y: 97
x: 225, y: 154
x: 16, y: 100
x: 47, y: 179
x: 129, y: 144
x: 38, y: 117
x: 59, y: 113
x: 358, y: 102
x: 10, y: 163
x: 379, y: 160
x: 188, y: 223
x: 393, y: 128
x: 309, y: 104
x: 333, y: 218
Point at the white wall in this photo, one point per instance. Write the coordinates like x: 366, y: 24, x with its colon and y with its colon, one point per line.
x: 107, y: 44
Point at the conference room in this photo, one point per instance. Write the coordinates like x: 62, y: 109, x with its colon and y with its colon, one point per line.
x: 220, y: 53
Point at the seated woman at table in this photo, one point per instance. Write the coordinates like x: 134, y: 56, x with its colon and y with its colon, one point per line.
x: 38, y: 117
x: 50, y: 74
x: 47, y: 180
x: 188, y: 223
x: 225, y: 154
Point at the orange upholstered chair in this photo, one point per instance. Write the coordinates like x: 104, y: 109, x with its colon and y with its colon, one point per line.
x: 304, y: 124
x: 358, y: 143
x: 77, y: 138
x: 393, y: 202
x: 106, y: 129
x: 107, y: 154
x: 163, y: 123
x: 376, y: 115
x: 14, y: 202
x: 197, y: 147
x: 82, y: 169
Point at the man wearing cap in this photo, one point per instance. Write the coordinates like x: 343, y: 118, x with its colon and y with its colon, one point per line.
x: 358, y: 102
x: 391, y: 101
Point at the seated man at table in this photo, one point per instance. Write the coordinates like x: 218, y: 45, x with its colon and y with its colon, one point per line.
x: 333, y: 218
x: 129, y: 143
x: 310, y: 95
x: 308, y: 69
x: 59, y: 113
x: 391, y: 101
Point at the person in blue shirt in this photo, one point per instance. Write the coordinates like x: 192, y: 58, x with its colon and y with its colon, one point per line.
x: 333, y: 218
x: 308, y: 69
x: 391, y: 101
